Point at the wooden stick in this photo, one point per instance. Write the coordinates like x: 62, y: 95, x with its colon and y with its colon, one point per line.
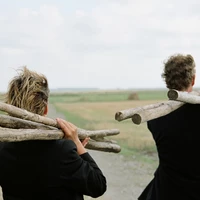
x: 128, y: 113
x: 133, y: 112
x: 16, y: 135
x: 187, y: 97
x: 95, y: 134
x: 16, y: 123
x: 28, y: 116
x: 24, y: 114
x: 148, y: 112
x: 157, y: 110
x: 29, y: 126
x: 125, y: 114
x: 103, y: 146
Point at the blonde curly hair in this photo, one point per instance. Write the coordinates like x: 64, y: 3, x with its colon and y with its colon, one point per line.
x: 29, y: 90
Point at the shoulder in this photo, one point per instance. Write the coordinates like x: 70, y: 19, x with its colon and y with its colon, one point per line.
x: 1, y: 145
x: 65, y: 142
x: 179, y: 112
x: 4, y: 145
x: 181, y: 116
x: 67, y: 147
x: 189, y: 107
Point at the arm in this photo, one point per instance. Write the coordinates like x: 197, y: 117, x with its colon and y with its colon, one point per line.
x: 81, y: 173
x: 79, y: 170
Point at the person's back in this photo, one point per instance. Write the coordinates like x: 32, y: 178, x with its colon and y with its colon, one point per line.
x: 54, y: 169
x: 177, y: 140
x: 40, y: 169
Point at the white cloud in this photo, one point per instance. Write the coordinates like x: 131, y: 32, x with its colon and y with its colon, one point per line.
x: 113, y: 44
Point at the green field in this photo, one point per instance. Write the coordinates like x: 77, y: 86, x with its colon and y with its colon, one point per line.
x: 107, y: 96
x: 96, y: 110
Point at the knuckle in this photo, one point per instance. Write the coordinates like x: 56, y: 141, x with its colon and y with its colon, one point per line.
x: 74, y: 129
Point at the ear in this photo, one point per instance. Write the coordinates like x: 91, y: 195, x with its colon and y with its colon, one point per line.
x: 46, y: 110
x: 193, y: 80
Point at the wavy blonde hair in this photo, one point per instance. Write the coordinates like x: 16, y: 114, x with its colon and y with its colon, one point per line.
x: 29, y: 90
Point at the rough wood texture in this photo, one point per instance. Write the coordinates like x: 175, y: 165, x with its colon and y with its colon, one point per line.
x: 16, y: 135
x: 102, y: 146
x: 157, y: 110
x: 24, y: 125
x: 129, y: 113
x: 125, y: 114
x: 148, y: 112
x: 14, y: 122
x: 191, y: 97
x: 24, y: 114
x: 95, y: 134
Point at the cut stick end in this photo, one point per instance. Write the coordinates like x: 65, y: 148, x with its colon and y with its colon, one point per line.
x: 118, y: 116
x: 136, y: 119
x: 172, y: 94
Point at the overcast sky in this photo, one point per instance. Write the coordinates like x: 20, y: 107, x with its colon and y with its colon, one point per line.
x: 97, y: 43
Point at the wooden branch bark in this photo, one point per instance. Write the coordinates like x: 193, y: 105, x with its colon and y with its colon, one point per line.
x: 187, y: 97
x: 95, y: 134
x: 158, y: 110
x: 16, y: 123
x: 16, y: 135
x: 176, y: 100
x: 129, y: 113
x: 149, y: 112
x: 24, y: 114
x: 125, y: 114
x: 23, y: 125
x: 103, y: 146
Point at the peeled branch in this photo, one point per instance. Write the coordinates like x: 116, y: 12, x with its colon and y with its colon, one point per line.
x: 22, y: 125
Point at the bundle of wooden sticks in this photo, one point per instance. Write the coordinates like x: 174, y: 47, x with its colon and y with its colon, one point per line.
x: 149, y: 112
x: 20, y: 125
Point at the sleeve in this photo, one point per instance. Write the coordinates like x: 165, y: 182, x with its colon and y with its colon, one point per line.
x: 81, y: 173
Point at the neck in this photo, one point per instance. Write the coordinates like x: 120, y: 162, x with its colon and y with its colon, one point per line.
x: 189, y: 89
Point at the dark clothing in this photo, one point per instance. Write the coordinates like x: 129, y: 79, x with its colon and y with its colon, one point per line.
x: 177, y: 137
x: 48, y: 170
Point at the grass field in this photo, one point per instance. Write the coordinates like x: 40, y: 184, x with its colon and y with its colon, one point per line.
x: 96, y: 110
x: 107, y: 96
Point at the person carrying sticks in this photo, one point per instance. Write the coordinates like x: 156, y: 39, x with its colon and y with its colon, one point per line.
x: 177, y: 139
x: 46, y: 169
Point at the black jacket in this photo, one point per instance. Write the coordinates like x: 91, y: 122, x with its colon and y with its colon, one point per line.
x: 177, y: 137
x: 48, y: 170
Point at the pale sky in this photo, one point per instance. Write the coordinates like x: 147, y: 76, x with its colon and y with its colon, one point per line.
x: 106, y: 44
